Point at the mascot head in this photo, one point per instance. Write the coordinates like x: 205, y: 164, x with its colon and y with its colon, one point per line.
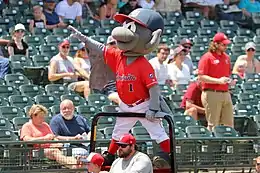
x: 140, y: 33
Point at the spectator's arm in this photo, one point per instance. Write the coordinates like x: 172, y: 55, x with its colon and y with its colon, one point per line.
x: 3, y: 41
x: 189, y: 104
x: 257, y: 66
x: 10, y: 50
x: 53, y: 76
x: 26, y: 135
x: 27, y: 53
x: 81, y: 71
x: 102, y: 13
x: 31, y: 26
x: 245, y: 12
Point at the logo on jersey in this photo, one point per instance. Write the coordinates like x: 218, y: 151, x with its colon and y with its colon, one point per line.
x: 128, y: 77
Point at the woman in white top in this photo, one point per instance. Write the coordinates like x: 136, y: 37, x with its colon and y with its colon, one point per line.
x: 178, y: 71
x: 81, y: 58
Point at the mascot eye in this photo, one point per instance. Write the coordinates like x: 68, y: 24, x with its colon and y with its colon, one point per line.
x: 130, y: 25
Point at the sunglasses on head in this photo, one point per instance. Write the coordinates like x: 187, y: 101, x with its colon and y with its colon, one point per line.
x: 250, y: 49
x: 187, y: 47
x: 65, y: 47
x: 122, y: 145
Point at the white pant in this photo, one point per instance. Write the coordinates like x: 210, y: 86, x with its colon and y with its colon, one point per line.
x: 124, y: 124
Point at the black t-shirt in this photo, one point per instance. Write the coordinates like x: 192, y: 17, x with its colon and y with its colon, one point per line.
x: 16, y: 50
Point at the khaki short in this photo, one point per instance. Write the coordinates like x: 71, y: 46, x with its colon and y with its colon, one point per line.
x: 218, y: 107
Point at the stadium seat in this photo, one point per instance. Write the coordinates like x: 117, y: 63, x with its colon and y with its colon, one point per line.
x: 42, y: 31
x: 176, y: 98
x: 74, y: 41
x: 16, y: 80
x: 87, y: 31
x: 53, y: 39
x: 179, y: 133
x: 100, y: 38
x: 168, y: 31
x: 245, y: 32
x: 205, y: 32
x: 183, y: 121
x: 171, y: 23
x: 10, y: 112
x: 4, y: 101
x: 256, y: 39
x: 209, y: 24
x: 237, y: 49
x: 246, y: 126
x: 240, y: 40
x: 90, y: 23
x: 224, y: 131
x: 5, y: 124
x: 108, y: 132
x: 198, y: 132
x: 104, y: 122
x: 35, y: 40
x: 252, y: 77
x: 63, y: 32
x: 231, y: 25
x: 56, y: 90
x: 190, y: 24
x: 31, y: 90
x: 110, y: 108
x: 86, y: 110
x: 46, y: 100
x: 50, y: 49
x: 55, y: 109
x: 228, y: 32
x: 194, y: 15
x: 76, y: 99
x: 109, y: 23
x: 32, y: 50
x: 98, y: 100
x: 175, y: 15
x: 103, y: 31
x: 7, y: 135
x: 18, y: 122
x: 20, y: 101
x: 166, y: 90
x: 250, y: 87
x: 201, y: 40
x: 140, y: 133
x: 7, y: 90
x: 18, y: 62
x: 41, y: 60
x: 184, y: 32
x: 245, y: 109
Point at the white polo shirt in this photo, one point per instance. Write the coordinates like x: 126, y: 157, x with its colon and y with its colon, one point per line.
x: 161, y: 71
x: 180, y: 76
x: 67, y: 11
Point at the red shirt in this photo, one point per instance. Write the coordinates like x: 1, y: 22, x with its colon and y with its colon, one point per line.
x: 217, y: 66
x: 193, y: 93
x: 133, y: 81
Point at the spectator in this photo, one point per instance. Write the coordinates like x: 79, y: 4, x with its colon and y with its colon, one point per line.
x: 252, y: 64
x: 63, y: 70
x: 81, y: 58
x: 148, y: 4
x: 187, y: 44
x: 130, y: 160
x: 4, y: 62
x: 37, y: 129
x: 241, y: 69
x: 130, y: 6
x: 69, y: 126
x: 214, y: 72
x: 178, y: 71
x: 161, y: 71
x: 39, y: 19
x: 257, y: 165
x: 51, y: 17
x: 94, y: 162
x: 69, y: 9
x: 249, y: 6
x: 191, y: 101
x: 167, y: 5
x: 107, y: 10
x: 17, y: 46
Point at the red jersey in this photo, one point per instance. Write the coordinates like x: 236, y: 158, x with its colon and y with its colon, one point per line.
x: 133, y: 81
x: 217, y: 66
x: 193, y: 93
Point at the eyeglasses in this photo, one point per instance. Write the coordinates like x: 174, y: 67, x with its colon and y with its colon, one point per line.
x: 83, y: 49
x: 258, y: 164
x: 65, y: 47
x: 187, y: 47
x: 122, y: 145
x: 20, y: 30
x: 250, y: 49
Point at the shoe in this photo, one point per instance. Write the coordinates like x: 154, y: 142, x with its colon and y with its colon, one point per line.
x: 161, y: 160
x: 109, y: 158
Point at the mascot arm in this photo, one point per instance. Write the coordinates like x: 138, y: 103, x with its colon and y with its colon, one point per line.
x: 91, y: 43
x: 154, y: 103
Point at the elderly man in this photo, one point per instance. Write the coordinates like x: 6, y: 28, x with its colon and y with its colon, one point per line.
x: 69, y: 126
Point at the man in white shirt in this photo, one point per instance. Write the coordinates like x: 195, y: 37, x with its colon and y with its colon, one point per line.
x: 187, y: 44
x: 161, y: 71
x: 69, y: 9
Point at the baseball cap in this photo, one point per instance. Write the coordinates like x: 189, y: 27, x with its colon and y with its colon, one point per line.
x: 185, y: 41
x: 176, y: 51
x: 94, y: 158
x: 81, y: 46
x: 64, y: 42
x: 110, y: 39
x: 49, y: 1
x: 19, y: 26
x: 127, y: 139
x: 250, y: 45
x: 145, y: 17
x: 221, y: 37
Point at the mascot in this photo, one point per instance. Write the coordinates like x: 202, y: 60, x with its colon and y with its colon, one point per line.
x: 136, y: 83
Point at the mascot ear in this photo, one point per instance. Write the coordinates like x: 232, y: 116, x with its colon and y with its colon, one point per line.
x: 155, y: 39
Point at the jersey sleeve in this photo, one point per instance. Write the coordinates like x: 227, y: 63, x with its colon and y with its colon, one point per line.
x: 111, y: 57
x: 148, y: 75
x: 25, y: 131
x: 203, y: 65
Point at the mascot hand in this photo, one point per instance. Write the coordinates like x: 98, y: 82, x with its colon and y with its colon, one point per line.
x: 160, y: 114
x: 76, y: 33
x: 150, y: 115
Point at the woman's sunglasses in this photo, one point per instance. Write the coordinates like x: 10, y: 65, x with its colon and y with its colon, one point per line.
x: 20, y: 30
x: 65, y: 47
x: 250, y: 49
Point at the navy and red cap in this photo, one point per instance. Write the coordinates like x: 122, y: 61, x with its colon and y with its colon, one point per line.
x: 127, y: 139
x: 64, y: 42
x: 185, y: 41
x: 221, y: 38
x: 145, y: 17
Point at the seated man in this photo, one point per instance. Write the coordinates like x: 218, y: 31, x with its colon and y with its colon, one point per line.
x: 191, y: 101
x: 68, y: 126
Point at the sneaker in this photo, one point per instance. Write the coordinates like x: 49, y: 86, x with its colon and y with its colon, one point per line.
x: 109, y: 158
x: 159, y: 162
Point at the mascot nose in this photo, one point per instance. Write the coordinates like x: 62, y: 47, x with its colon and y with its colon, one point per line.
x: 123, y: 34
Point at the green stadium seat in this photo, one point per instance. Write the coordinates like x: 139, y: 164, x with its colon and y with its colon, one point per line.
x: 46, y: 100
x: 55, y: 109
x: 245, y: 32
x: 63, y: 32
x: 56, y: 90
x: 228, y: 32
x: 245, y: 109
x: 87, y: 110
x: 172, y: 23
x: 98, y: 100
x: 183, y: 121
x: 209, y: 24
x: 53, y: 39
x: 35, y: 40
x: 190, y: 24
x: 50, y: 49
x: 7, y: 90
x: 18, y: 62
x: 108, y: 131
x: 240, y: 40
x: 194, y: 15
x: 32, y: 50
x: 175, y: 15
x: 7, y: 135
x: 103, y: 31
x: 140, y: 133
x: 166, y: 90
x: 41, y: 60
x: 10, y: 112
x: 76, y: 99
x: 224, y: 131
x: 179, y: 133
x: 87, y: 31
x: 226, y: 24
x: 104, y: 122
x: 246, y: 126
x: 168, y: 31
x: 42, y: 31
x: 16, y: 80
x: 109, y: 23
x: 205, y: 32
x: 31, y: 90
x: 18, y: 122
x: 185, y: 32
x: 198, y: 132
x: 90, y: 23
x: 5, y: 124
x: 110, y: 108
x: 3, y: 101
x: 201, y: 40
x: 20, y: 101
x: 101, y: 39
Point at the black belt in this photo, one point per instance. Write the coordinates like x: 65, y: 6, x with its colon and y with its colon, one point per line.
x: 221, y: 91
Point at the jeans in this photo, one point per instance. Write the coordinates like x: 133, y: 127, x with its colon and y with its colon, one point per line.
x: 4, y: 67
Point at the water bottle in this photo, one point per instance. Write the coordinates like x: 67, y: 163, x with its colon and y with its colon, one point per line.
x: 65, y: 149
x: 85, y: 137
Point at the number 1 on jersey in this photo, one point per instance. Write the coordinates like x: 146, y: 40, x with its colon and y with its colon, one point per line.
x: 131, y: 87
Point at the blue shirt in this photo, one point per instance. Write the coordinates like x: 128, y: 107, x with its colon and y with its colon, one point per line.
x: 52, y: 18
x: 63, y: 127
x: 251, y: 7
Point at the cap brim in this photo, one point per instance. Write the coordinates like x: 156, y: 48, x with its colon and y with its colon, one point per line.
x: 85, y: 160
x: 226, y: 41
x: 121, y: 18
x: 122, y: 143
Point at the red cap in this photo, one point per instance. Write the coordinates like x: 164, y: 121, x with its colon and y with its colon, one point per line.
x: 64, y: 42
x: 127, y: 139
x: 222, y: 38
x: 94, y: 158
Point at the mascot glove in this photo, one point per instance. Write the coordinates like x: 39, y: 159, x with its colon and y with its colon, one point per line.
x: 76, y: 33
x: 150, y: 115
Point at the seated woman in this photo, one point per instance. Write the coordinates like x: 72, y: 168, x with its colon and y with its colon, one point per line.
x: 178, y: 71
x: 17, y: 46
x: 38, y: 129
x: 107, y: 10
x: 39, y: 20
x: 81, y: 58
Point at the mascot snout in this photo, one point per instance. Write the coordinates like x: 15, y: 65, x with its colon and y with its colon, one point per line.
x: 124, y: 35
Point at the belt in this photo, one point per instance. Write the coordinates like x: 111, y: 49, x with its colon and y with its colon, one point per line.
x: 137, y: 102
x: 221, y: 91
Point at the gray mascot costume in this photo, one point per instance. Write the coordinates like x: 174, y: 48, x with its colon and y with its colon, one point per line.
x: 136, y: 83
